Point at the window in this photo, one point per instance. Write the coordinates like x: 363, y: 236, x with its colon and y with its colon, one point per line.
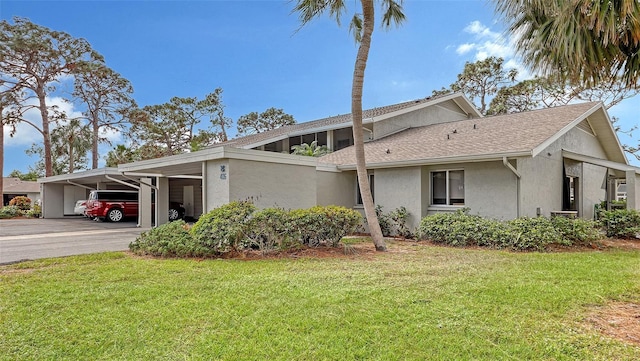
x: 447, y: 188
x: 371, y: 185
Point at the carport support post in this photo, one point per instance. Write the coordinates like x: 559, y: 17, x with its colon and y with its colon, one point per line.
x: 144, y: 203
x: 162, y: 203
x: 631, y: 189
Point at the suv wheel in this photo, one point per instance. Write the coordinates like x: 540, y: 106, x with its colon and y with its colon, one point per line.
x: 115, y: 215
x: 173, y: 214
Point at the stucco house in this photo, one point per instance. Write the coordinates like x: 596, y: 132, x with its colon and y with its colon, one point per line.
x: 13, y: 187
x: 429, y: 155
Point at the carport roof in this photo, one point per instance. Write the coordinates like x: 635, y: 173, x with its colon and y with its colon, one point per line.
x: 176, y: 166
x: 92, y: 176
x: 190, y: 164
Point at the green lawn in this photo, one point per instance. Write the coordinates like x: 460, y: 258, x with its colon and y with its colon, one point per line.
x: 412, y: 303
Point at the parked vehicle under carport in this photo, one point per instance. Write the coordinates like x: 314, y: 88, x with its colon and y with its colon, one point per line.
x: 116, y: 205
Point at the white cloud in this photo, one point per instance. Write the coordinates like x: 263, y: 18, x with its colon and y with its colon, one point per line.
x: 26, y: 134
x: 465, y: 48
x: 112, y: 135
x: 487, y: 43
x: 481, y: 31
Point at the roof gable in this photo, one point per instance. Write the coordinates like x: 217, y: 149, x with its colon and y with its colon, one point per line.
x: 517, y: 134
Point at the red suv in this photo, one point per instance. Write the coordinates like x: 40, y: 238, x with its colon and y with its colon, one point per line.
x: 112, y: 205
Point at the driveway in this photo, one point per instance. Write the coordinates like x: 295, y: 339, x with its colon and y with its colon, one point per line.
x: 27, y: 239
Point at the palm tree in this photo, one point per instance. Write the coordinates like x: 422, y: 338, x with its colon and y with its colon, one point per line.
x: 310, y: 150
x: 362, y: 26
x: 71, y: 142
x: 590, y: 41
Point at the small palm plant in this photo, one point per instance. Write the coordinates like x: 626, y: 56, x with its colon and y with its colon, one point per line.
x: 310, y: 150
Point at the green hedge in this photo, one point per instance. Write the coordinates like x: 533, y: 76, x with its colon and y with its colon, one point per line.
x: 462, y: 229
x: 237, y: 226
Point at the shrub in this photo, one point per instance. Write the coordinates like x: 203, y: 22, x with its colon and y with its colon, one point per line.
x: 532, y: 233
x: 34, y: 212
x: 169, y: 240
x: 9, y: 212
x: 236, y: 226
x: 620, y: 223
x: 224, y: 228
x: 399, y: 218
x: 23, y: 203
x: 384, y: 221
x: 524, y: 234
x: 576, y: 231
x: 326, y: 224
x: 269, y: 229
x: 394, y: 223
x: 461, y: 229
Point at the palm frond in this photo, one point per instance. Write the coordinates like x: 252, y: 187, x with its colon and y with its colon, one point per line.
x: 392, y: 13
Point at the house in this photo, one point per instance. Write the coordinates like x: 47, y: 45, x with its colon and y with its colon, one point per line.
x: 15, y: 187
x: 430, y: 155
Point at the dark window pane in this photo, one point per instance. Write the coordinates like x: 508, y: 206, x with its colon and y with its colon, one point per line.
x: 439, y: 187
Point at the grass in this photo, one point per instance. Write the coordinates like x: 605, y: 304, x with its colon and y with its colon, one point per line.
x: 413, y: 303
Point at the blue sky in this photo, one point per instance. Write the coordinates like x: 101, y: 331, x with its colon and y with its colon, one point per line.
x: 257, y: 52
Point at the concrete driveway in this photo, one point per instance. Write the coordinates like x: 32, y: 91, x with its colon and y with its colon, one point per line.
x: 27, y: 239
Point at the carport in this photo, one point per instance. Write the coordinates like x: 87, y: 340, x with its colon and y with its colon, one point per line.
x: 201, y: 181
x: 59, y: 193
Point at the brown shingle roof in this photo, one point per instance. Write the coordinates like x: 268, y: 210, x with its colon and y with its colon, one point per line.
x: 325, y: 122
x: 521, y: 132
x: 15, y: 185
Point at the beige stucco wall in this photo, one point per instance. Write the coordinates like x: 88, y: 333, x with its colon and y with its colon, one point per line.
x: 217, y: 183
x: 272, y: 184
x: 541, y: 184
x: 593, y: 182
x: 52, y: 200
x: 579, y: 141
x: 400, y: 187
x: 431, y: 115
x: 490, y: 189
x: 542, y: 176
x: 336, y: 188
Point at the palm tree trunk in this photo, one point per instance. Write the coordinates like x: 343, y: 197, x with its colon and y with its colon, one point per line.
x: 356, y: 112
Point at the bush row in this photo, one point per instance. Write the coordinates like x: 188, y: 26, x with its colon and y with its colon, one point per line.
x: 12, y: 211
x: 238, y: 226
x: 462, y: 229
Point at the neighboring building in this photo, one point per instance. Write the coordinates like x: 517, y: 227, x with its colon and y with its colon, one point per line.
x: 430, y: 155
x: 14, y: 187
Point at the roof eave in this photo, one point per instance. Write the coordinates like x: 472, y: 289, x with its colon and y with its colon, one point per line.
x: 440, y: 160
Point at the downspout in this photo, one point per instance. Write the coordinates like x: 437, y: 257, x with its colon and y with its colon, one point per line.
x: 515, y: 171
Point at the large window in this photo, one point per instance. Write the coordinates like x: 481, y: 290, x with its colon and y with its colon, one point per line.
x: 447, y: 188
